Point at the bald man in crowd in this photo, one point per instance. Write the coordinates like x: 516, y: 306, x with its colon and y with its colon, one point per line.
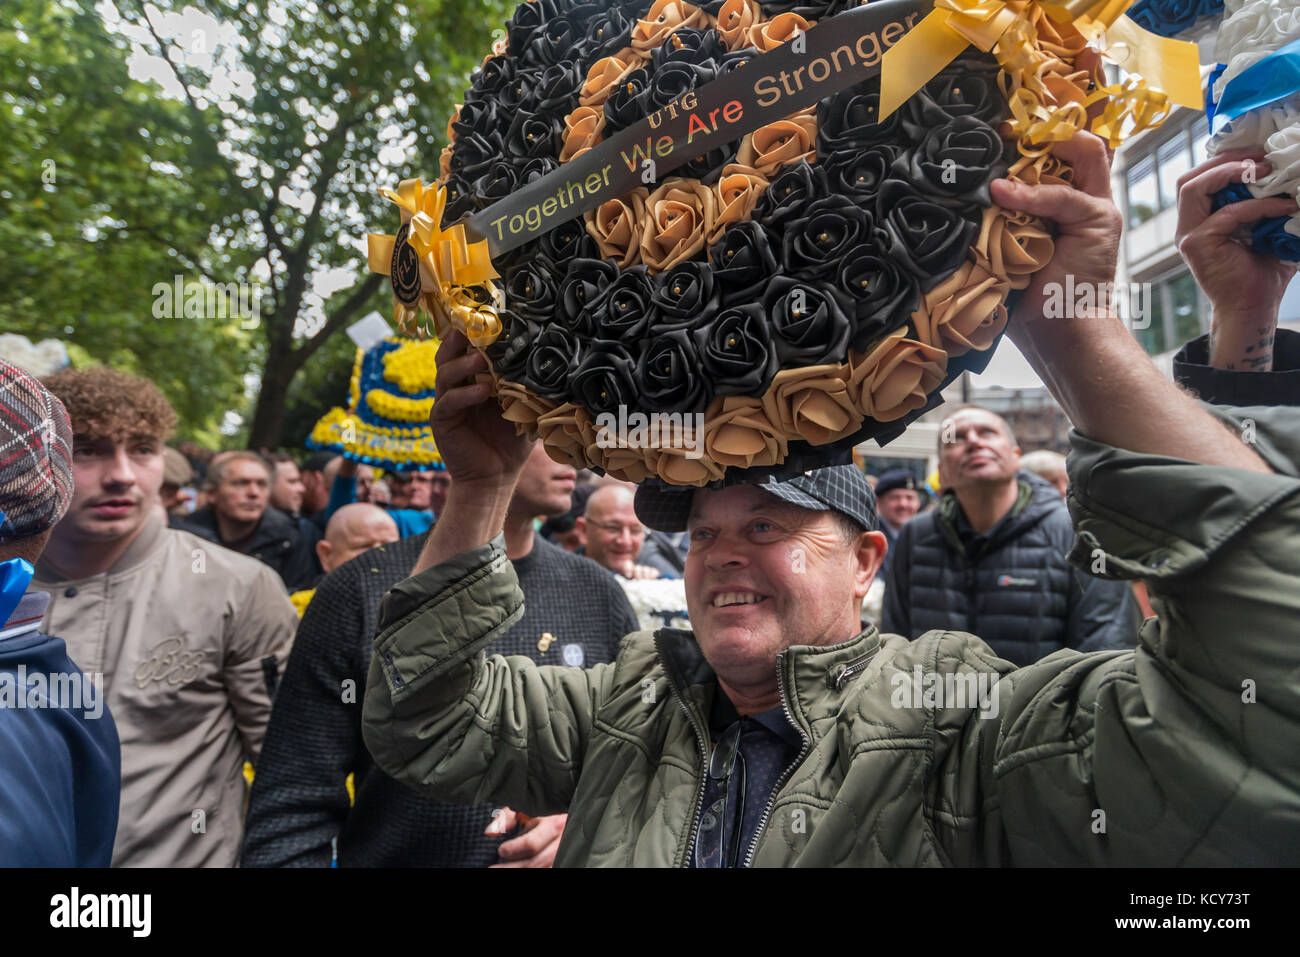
x: 353, y: 529
x: 613, y: 533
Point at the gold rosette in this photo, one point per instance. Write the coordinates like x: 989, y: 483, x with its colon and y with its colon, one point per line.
x: 963, y: 312
x: 1012, y: 250
x: 617, y: 224
x: 433, y: 268
x: 665, y: 17
x: 678, y: 218
x: 895, y: 376
x: 567, y: 432
x: 582, y: 131
x: 522, y: 407
x: 778, y: 144
x: 738, y: 433
x: 737, y: 191
x: 813, y: 404
x: 735, y: 19
x: 772, y: 33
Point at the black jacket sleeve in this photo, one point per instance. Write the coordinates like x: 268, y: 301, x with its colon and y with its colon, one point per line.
x: 896, y: 618
x: 299, y: 802
x: 1192, y: 370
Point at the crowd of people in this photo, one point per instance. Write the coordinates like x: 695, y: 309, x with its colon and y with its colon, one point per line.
x: 303, y: 661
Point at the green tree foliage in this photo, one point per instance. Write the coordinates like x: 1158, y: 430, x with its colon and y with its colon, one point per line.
x: 261, y: 168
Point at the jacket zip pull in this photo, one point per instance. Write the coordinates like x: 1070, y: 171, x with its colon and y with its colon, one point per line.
x: 840, y: 674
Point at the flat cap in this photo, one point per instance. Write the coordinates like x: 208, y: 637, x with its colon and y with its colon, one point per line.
x: 839, y: 488
x: 35, y: 456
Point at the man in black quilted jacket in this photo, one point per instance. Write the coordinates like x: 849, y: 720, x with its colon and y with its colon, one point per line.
x: 990, y: 559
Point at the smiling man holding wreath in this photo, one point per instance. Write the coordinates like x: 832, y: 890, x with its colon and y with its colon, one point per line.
x: 769, y: 736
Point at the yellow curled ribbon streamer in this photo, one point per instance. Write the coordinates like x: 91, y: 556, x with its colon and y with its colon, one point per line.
x: 451, y: 267
x: 1170, y: 66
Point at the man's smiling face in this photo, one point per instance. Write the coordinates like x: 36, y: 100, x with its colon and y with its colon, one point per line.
x: 762, y: 575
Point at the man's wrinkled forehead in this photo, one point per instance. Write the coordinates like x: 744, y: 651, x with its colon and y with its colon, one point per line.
x: 739, y: 502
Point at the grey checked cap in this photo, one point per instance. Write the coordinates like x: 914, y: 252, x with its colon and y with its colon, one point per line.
x: 840, y: 488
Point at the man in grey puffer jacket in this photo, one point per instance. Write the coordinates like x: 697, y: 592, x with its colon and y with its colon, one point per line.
x: 990, y: 558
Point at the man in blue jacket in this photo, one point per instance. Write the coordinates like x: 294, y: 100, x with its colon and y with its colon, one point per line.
x: 60, y: 763
x: 990, y: 558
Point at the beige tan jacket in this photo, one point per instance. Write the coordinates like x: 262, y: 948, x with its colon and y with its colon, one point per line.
x: 187, y: 635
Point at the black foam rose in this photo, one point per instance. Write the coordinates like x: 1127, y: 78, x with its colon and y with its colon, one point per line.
x: 884, y: 294
x: 672, y: 80
x: 533, y: 135
x: 689, y: 45
x: 956, y: 161
x: 809, y: 320
x: 743, y: 261
x: 556, y: 352
x: 532, y: 288
x: 707, y: 167
x: 509, y: 352
x: 607, y: 33
x: 736, y: 350
x: 851, y: 120
x: 930, y: 239
x: 527, y: 19
x: 566, y: 242
x: 580, y: 291
x: 735, y: 59
x: 556, y: 90
x: 521, y: 85
x: 498, y: 182
x: 967, y: 87
x: 480, y: 117
x: 606, y: 379
x: 788, y: 193
x: 859, y: 173
x: 626, y: 307
x: 461, y: 199
x: 623, y: 108
x: 684, y: 296
x: 669, y: 375
x: 473, y: 153
x: 816, y: 241
x: 493, y: 76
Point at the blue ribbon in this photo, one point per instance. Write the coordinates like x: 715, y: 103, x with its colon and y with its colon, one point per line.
x: 15, y: 575
x: 1273, y: 78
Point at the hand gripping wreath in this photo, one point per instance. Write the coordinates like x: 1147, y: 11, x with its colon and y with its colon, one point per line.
x: 749, y: 234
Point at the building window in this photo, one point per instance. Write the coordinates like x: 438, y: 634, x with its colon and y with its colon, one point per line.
x: 1143, y: 192
x: 1177, y: 313
x: 1173, y: 159
x: 1153, y: 180
x: 1200, y: 141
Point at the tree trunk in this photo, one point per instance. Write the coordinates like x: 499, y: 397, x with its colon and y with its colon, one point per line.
x: 268, y: 417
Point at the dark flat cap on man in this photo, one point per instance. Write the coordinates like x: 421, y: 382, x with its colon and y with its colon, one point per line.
x: 896, y: 479
x: 839, y: 488
x: 35, y: 456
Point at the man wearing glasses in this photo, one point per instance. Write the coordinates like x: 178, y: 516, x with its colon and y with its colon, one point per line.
x: 780, y: 733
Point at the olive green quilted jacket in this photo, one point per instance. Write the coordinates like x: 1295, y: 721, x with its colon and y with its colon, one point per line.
x: 929, y: 752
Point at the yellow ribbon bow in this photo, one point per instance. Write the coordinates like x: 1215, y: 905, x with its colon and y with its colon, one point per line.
x: 1171, y: 66
x: 442, y: 269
